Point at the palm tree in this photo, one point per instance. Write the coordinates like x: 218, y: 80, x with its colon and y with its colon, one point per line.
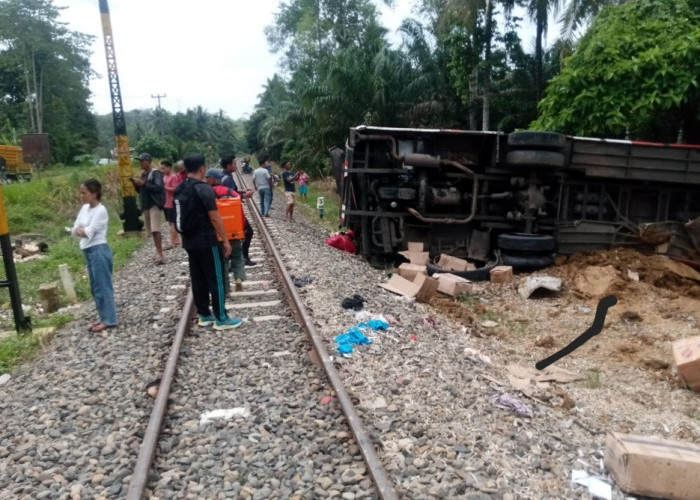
x: 579, y: 13
x: 538, y: 11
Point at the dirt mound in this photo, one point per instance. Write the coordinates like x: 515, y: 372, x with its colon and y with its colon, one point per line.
x: 616, y: 271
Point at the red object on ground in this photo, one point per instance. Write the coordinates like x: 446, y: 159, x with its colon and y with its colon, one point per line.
x: 342, y: 242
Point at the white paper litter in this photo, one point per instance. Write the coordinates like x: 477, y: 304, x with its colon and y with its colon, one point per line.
x: 224, y: 414
x: 596, y: 487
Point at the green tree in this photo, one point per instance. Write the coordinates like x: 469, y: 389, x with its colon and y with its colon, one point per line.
x: 52, y: 64
x: 633, y: 74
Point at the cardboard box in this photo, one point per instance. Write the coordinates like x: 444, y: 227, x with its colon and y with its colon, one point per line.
x: 415, y: 246
x: 686, y: 356
x: 422, y: 287
x: 453, y: 285
x: 419, y: 258
x: 409, y: 271
x: 653, y: 467
x: 449, y: 263
x: 501, y: 274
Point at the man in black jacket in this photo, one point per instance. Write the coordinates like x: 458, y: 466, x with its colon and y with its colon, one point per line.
x: 199, y: 222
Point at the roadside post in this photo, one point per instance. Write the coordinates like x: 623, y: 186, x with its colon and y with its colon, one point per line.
x: 319, y: 206
x: 22, y: 323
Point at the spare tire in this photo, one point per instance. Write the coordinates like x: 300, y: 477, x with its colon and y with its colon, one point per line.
x: 535, y: 158
x: 536, y: 140
x: 527, y: 242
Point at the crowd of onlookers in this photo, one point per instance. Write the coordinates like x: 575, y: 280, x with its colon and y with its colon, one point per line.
x: 187, y: 194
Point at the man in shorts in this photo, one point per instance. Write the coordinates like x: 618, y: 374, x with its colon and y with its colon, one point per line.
x: 303, y: 185
x: 152, y: 190
x: 288, y: 177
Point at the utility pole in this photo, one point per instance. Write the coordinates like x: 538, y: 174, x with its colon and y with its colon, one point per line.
x: 159, y: 114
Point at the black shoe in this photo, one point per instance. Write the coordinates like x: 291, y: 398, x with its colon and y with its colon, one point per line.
x: 249, y: 262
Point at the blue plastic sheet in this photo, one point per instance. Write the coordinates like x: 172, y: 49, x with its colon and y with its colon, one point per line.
x: 354, y: 335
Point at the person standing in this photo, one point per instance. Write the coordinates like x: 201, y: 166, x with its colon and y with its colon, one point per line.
x: 262, y: 182
x: 228, y: 163
x: 198, y: 222
x: 91, y: 227
x: 236, y: 262
x: 267, y: 165
x: 288, y: 177
x: 170, y: 181
x: 152, y: 190
x: 303, y: 185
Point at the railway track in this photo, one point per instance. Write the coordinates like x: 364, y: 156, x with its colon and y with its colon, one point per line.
x: 290, y: 420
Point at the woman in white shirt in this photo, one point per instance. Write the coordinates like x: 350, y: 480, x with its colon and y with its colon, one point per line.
x: 91, y: 227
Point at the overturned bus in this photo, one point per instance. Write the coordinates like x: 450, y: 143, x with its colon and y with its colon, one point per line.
x: 517, y: 198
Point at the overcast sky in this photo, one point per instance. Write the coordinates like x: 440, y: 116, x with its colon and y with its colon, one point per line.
x: 211, y: 53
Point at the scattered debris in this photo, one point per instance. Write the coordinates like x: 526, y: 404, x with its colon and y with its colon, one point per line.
x: 356, y: 302
x: 227, y: 414
x: 533, y: 283
x: 152, y: 388
x: 528, y: 379
x: 5, y: 378
x: 631, y: 316
x: 422, y: 288
x: 301, y: 281
x: 546, y: 341
x: 632, y: 275
x: 505, y: 400
x: 596, y: 487
x: 476, y: 357
x: 355, y: 335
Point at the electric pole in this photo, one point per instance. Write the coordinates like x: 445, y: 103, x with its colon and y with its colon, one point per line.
x: 159, y: 114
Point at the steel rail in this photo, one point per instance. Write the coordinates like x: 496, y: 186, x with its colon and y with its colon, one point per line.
x: 376, y: 469
x: 137, y: 484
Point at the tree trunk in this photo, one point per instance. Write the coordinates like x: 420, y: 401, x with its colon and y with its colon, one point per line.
x: 486, y: 111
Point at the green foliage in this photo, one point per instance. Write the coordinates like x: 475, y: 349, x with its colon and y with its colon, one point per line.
x: 16, y: 349
x: 44, y: 71
x: 634, y: 73
x: 156, y: 147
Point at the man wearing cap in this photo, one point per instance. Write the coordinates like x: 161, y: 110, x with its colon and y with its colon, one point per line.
x: 152, y: 190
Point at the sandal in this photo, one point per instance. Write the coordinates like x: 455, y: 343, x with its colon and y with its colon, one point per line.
x: 100, y: 327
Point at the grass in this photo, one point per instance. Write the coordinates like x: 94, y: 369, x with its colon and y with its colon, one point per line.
x: 592, y: 379
x: 331, y: 202
x: 44, y: 207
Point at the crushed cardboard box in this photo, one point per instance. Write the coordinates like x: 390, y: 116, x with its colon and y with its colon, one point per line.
x: 422, y: 287
x: 415, y: 254
x: 453, y: 285
x: 449, y: 263
x: 649, y: 466
x: 409, y: 271
x: 686, y: 356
